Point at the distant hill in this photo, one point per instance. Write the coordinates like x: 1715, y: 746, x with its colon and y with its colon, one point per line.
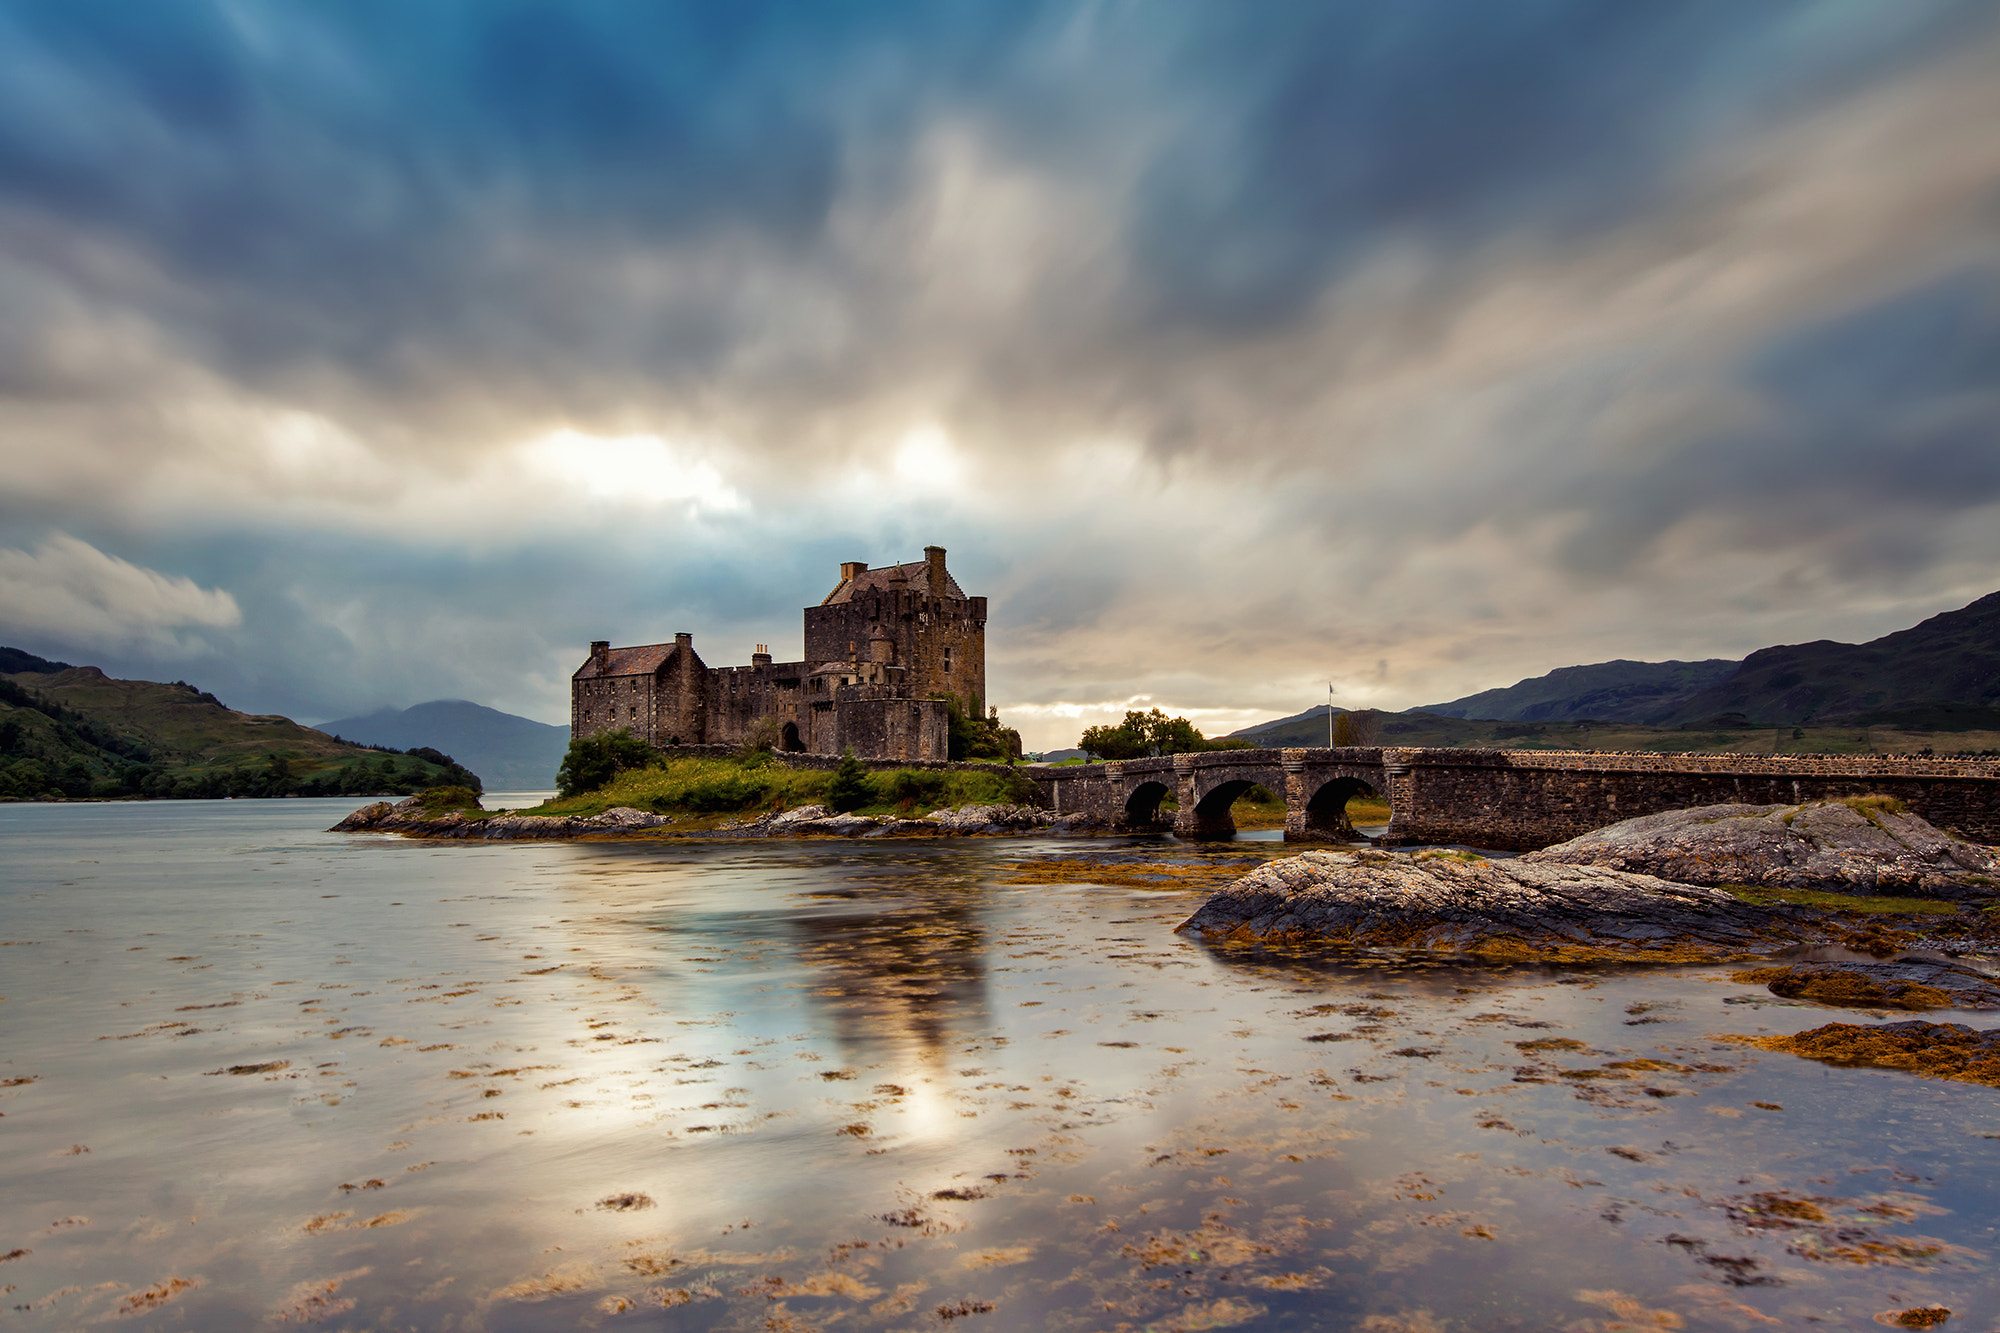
x: 1941, y: 675
x: 511, y: 753
x: 1307, y: 728
x: 1620, y: 691
x: 13, y: 660
x: 77, y: 732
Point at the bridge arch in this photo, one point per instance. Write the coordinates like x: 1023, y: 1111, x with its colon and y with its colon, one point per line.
x: 1211, y: 813
x: 1142, y: 803
x: 1323, y: 817
x: 1215, y: 782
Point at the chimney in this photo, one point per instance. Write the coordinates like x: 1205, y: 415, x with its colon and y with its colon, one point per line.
x: 849, y: 568
x: 600, y: 654
x: 684, y: 641
x: 934, y: 569
x: 762, y: 657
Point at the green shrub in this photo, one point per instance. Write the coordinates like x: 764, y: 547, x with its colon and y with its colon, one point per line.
x: 448, y: 798
x: 724, y: 793
x: 592, y: 761
x: 851, y: 787
x: 915, y: 786
x: 1019, y: 788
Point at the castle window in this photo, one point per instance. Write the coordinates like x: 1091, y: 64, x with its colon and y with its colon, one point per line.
x: 947, y: 661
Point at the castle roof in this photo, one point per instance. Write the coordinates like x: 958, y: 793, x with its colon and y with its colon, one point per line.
x: 892, y: 578
x: 642, y: 660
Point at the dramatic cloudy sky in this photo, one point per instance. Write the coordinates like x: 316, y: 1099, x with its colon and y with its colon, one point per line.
x: 367, y: 353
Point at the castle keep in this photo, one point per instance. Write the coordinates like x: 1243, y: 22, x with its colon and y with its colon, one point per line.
x: 876, y: 650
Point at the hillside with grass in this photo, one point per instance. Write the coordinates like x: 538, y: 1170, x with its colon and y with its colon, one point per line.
x: 73, y: 732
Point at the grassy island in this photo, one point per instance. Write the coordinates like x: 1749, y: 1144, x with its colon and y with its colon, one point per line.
x: 711, y: 791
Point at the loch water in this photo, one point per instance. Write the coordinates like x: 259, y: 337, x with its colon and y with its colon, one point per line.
x: 255, y: 1075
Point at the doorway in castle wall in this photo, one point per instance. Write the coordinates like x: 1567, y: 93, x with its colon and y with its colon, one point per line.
x: 789, y: 738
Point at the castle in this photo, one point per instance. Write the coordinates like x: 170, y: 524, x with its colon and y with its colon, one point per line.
x: 882, y: 644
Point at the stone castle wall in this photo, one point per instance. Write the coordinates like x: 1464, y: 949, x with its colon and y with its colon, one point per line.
x: 873, y: 661
x: 930, y: 644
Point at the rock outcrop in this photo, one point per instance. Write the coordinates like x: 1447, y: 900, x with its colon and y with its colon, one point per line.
x: 409, y: 817
x: 816, y: 820
x: 1501, y: 909
x: 1865, y: 846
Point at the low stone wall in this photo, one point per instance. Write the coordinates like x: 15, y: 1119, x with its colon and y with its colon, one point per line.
x: 1519, y: 801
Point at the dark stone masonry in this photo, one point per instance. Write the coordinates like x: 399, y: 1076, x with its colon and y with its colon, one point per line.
x: 878, y: 651
x: 1508, y: 800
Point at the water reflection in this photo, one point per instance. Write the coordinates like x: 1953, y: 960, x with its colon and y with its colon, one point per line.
x: 373, y: 1083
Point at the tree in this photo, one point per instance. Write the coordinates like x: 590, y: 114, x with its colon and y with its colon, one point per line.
x: 851, y: 788
x: 592, y: 761
x: 1149, y: 733
x: 1120, y: 742
x: 1352, y: 728
x: 765, y: 735
x: 974, y: 737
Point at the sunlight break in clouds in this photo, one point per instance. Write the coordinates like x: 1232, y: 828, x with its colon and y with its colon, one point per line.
x: 631, y: 469
x: 72, y: 592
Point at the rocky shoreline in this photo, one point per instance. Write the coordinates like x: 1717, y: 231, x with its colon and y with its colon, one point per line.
x: 1865, y: 845
x: 411, y: 819
x: 1717, y: 884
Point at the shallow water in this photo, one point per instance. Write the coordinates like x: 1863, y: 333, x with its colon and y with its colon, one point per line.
x: 260, y: 1074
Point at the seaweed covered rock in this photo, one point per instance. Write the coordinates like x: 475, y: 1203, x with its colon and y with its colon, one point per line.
x: 1863, y: 845
x: 1934, y: 1050
x: 991, y: 818
x: 802, y: 822
x: 1909, y: 983
x: 1495, y: 909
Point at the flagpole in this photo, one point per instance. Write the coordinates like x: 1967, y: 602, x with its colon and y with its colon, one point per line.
x: 1329, y: 715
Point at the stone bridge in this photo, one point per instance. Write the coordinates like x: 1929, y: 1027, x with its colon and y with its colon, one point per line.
x: 1508, y: 800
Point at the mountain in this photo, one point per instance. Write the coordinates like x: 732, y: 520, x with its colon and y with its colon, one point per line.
x: 1307, y: 728
x: 511, y: 753
x: 78, y: 732
x: 1941, y: 675
x: 1619, y: 691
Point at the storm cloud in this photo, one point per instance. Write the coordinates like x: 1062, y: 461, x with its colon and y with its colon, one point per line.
x: 1230, y: 349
